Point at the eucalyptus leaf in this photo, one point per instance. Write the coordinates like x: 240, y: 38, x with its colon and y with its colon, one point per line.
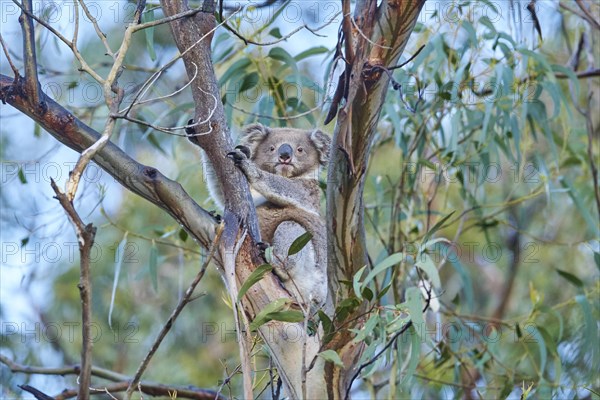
x: 388, y: 262
x: 264, y: 315
x: 331, y: 356
x: 299, y: 243
x: 426, y: 264
x: 254, y: 277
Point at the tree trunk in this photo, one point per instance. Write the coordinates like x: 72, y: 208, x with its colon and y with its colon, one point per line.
x: 286, y: 341
x: 373, y: 41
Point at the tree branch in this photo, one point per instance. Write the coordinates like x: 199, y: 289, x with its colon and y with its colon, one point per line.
x: 143, y: 180
x: 29, y: 54
x: 156, y: 389
x: 150, y: 388
x: 590, y: 18
x: 85, y: 238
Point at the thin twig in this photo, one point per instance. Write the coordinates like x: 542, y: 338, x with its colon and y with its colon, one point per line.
x: 407, y: 61
x: 29, y: 53
x: 171, y: 130
x: 155, y: 77
x: 591, y: 73
x: 590, y: 18
x: 76, y: 27
x: 226, y: 381
x: 84, y: 65
x: 590, y: 149
x: 99, y: 32
x: 71, y: 370
x: 12, y: 66
x: 85, y: 238
x: 304, y: 370
x: 167, y: 326
x: 154, y: 389
x: 286, y: 37
x: 105, y: 390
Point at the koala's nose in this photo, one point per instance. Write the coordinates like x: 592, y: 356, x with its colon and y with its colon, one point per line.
x: 285, y: 153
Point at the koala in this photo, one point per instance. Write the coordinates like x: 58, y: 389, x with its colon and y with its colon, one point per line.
x: 282, y: 165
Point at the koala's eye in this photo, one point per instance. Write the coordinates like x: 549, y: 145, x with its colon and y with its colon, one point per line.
x: 272, y: 148
x: 300, y: 149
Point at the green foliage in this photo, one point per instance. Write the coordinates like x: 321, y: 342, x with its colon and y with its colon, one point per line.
x: 267, y: 83
x: 278, y: 310
x: 254, y: 277
x: 475, y: 188
x: 299, y: 243
x: 332, y: 356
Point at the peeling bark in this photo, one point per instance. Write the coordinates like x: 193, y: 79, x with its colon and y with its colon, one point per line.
x: 374, y: 40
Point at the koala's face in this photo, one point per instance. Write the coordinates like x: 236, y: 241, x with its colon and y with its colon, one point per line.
x: 286, y: 151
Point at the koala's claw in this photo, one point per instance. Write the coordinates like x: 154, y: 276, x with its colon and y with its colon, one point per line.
x: 189, y: 130
x: 216, y: 216
x: 236, y: 156
x: 241, y: 153
x: 262, y: 246
x: 262, y: 249
x: 244, y: 150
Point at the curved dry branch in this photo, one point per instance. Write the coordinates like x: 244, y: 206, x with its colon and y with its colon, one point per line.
x: 143, y: 180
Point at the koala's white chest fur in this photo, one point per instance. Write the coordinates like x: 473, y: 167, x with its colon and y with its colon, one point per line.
x: 257, y: 198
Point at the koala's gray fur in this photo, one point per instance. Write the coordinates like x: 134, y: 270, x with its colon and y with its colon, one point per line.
x: 282, y: 166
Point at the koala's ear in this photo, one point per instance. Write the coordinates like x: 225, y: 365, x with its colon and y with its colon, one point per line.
x: 322, y: 142
x: 253, y: 135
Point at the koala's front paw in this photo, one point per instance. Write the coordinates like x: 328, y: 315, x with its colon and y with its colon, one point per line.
x: 262, y: 249
x: 216, y: 216
x: 241, y: 159
x: 191, y: 132
x: 244, y: 150
x: 240, y: 155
